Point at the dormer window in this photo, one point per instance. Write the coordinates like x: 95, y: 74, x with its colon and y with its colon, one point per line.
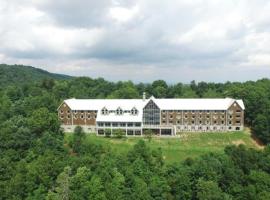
x: 104, y: 111
x: 134, y: 111
x: 119, y: 111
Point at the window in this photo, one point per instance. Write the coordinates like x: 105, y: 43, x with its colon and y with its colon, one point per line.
x: 178, y: 122
x: 68, y: 111
x: 81, y: 112
x: 134, y: 111
x: 119, y: 111
x: 130, y: 124
x: 137, y: 124
x: 81, y: 116
x: 62, y: 117
x: 151, y: 114
x: 107, y: 124
x: 61, y: 111
x: 68, y: 116
x: 89, y: 116
x: 104, y: 111
x: 238, y: 121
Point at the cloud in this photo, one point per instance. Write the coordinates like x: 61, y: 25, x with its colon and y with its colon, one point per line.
x: 140, y: 40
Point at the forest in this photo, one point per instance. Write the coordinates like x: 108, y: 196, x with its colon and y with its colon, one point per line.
x: 37, y: 162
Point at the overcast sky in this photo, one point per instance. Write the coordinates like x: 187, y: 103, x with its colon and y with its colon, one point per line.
x: 139, y: 40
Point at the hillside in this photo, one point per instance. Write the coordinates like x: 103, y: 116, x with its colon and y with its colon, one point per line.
x: 190, y: 145
x: 16, y: 74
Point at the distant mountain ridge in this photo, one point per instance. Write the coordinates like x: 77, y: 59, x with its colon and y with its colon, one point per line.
x: 13, y: 74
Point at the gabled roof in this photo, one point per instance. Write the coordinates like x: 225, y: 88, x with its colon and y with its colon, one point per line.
x: 139, y: 104
x: 196, y: 104
x: 163, y: 104
x: 241, y: 104
x: 98, y: 104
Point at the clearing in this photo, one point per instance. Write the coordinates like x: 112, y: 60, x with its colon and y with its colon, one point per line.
x: 178, y: 149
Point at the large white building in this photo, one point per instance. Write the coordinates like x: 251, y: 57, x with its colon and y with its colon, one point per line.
x: 162, y: 116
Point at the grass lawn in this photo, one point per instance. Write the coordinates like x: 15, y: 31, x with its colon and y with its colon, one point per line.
x: 178, y: 149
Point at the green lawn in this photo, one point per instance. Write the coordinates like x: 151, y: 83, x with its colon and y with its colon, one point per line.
x: 178, y: 149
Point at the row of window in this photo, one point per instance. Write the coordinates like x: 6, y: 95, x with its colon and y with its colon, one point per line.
x: 79, y: 112
x: 200, y: 122
x: 119, y: 111
x: 81, y: 116
x: 193, y: 117
x: 192, y: 122
x: 194, y: 111
x: 120, y: 124
x: 193, y: 128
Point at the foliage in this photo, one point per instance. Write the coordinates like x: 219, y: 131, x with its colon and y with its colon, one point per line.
x: 118, y: 133
x: 78, y: 138
x: 148, y: 134
x: 37, y: 163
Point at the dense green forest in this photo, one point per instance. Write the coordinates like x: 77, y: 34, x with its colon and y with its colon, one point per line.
x: 15, y: 74
x: 37, y: 163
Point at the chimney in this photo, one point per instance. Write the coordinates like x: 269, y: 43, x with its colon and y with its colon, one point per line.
x: 143, y: 96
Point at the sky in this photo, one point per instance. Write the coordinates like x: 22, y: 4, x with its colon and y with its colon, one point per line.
x: 139, y: 40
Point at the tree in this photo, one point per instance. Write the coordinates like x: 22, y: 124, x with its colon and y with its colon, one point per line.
x: 148, y: 134
x: 108, y: 132
x: 80, y: 184
x: 114, y: 188
x: 96, y: 189
x: 159, y: 88
x: 209, y: 190
x: 140, y: 190
x: 158, y: 188
x: 118, y: 133
x: 261, y: 127
x: 62, y: 191
x: 77, y: 139
x: 42, y: 120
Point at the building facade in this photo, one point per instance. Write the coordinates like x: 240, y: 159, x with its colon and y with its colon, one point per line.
x: 162, y: 116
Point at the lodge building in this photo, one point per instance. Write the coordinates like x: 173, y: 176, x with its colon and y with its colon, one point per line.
x: 162, y: 116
